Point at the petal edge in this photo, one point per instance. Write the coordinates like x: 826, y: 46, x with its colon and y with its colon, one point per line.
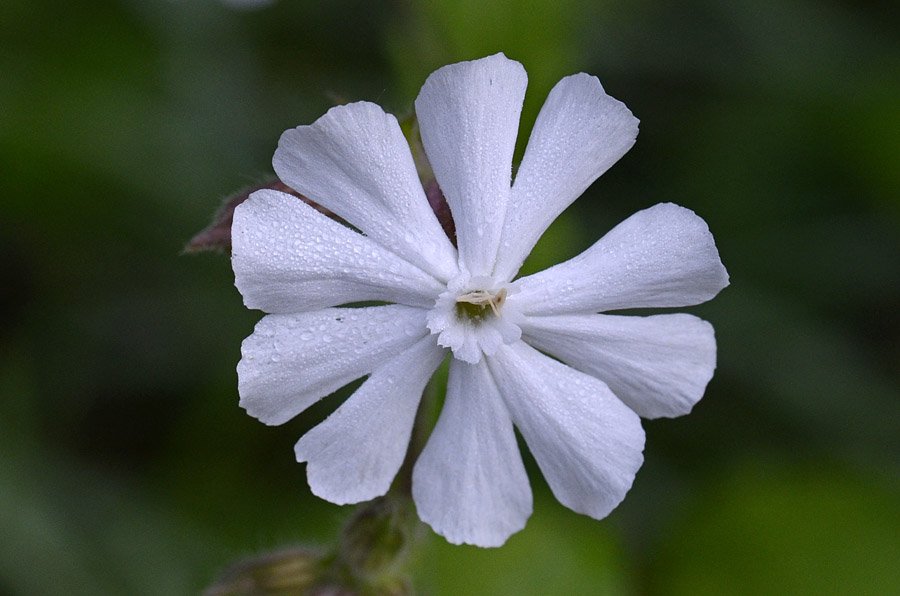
x: 587, y: 443
x: 287, y: 258
x: 356, y: 162
x: 355, y: 453
x: 658, y: 365
x: 469, y: 483
x: 659, y: 257
x: 469, y: 120
x: 579, y: 134
x: 292, y: 361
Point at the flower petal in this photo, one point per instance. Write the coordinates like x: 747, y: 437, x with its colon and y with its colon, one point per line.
x: 292, y: 361
x: 356, y: 452
x: 580, y: 132
x: 288, y: 257
x: 469, y: 483
x: 587, y: 443
x: 356, y: 162
x: 659, y: 365
x: 469, y: 118
x: 661, y: 256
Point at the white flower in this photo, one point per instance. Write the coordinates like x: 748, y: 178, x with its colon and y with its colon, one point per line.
x: 577, y: 411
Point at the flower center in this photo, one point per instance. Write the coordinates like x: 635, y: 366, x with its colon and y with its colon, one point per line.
x: 473, y: 318
x: 480, y: 304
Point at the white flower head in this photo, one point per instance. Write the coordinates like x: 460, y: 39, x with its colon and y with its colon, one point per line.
x: 578, y: 410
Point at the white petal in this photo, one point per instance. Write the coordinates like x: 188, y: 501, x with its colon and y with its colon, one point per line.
x: 661, y: 256
x: 356, y: 162
x: 587, y: 443
x: 469, y: 118
x: 288, y: 257
x: 355, y: 453
x: 292, y: 361
x: 580, y: 132
x: 659, y: 366
x: 469, y: 483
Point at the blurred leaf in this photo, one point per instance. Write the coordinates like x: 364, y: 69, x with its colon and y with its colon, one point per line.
x: 812, y: 382
x: 558, y: 552
x: 541, y: 35
x: 69, y: 531
x: 791, y: 530
x: 559, y: 243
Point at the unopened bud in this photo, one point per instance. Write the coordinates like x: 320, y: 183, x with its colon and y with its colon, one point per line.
x: 367, y: 560
x: 436, y: 199
x: 216, y: 236
x: 291, y: 572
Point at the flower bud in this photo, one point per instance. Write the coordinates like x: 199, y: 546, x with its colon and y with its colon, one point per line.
x: 291, y: 572
x: 365, y: 562
x: 216, y: 236
x: 436, y: 199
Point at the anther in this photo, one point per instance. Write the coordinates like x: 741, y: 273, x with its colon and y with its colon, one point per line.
x: 483, y: 298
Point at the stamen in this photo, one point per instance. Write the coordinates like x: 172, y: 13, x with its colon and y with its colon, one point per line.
x: 484, y: 298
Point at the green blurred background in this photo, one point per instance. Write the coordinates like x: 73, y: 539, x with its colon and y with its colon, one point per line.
x: 126, y: 465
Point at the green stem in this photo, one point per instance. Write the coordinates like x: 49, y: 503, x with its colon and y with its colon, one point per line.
x: 370, y: 552
x: 376, y: 539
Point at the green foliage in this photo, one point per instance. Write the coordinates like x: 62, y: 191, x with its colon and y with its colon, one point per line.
x: 785, y: 529
x: 558, y: 552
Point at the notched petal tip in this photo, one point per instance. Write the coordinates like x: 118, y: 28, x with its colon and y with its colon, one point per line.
x: 713, y: 277
x: 498, y: 61
x: 288, y: 258
x: 716, y: 274
x: 586, y: 90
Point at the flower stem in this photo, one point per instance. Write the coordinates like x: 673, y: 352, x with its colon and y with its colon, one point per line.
x: 376, y: 539
x: 370, y: 551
